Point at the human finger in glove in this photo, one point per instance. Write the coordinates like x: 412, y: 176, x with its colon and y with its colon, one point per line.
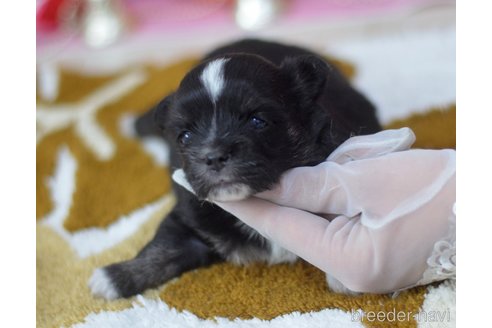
x: 376, y: 216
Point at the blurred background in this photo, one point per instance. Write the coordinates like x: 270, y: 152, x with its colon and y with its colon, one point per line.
x: 104, y: 36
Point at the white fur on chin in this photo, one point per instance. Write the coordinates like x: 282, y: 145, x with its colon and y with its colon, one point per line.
x: 230, y: 193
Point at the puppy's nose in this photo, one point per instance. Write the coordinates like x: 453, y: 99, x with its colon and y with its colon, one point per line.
x: 217, y: 160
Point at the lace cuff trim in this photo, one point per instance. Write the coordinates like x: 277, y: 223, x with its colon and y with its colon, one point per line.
x: 442, y: 262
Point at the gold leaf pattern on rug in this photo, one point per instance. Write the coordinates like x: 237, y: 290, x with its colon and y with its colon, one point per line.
x: 265, y: 292
x: 108, y: 189
x: 62, y: 295
x: 73, y: 88
x: 435, y: 129
x: 80, y: 116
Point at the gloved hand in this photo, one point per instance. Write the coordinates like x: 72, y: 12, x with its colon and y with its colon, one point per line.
x: 392, y: 210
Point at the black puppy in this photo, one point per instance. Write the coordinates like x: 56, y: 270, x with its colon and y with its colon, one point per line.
x: 247, y: 113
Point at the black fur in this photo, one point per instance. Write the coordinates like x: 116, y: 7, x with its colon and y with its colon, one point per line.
x: 281, y: 107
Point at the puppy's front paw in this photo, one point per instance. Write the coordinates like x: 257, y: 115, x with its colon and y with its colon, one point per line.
x: 101, y: 285
x: 123, y: 279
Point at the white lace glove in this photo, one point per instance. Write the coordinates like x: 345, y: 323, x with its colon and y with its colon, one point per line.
x: 393, y: 223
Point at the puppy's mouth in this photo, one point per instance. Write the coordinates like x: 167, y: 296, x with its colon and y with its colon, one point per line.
x: 220, y: 190
x: 228, y: 191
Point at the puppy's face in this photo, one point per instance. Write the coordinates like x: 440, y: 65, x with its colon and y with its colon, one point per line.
x: 239, y: 122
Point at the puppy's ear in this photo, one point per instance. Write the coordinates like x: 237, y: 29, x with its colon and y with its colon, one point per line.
x: 160, y: 112
x: 307, y: 75
x: 152, y: 122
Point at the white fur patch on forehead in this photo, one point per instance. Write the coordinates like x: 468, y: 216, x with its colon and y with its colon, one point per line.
x: 212, y: 77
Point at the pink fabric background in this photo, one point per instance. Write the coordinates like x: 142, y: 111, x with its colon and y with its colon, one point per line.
x: 148, y: 18
x: 153, y: 16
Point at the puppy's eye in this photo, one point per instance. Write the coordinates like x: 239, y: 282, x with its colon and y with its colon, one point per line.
x: 185, y: 138
x: 257, y: 123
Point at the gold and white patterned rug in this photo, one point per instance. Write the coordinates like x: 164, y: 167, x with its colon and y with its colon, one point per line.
x: 101, y: 194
